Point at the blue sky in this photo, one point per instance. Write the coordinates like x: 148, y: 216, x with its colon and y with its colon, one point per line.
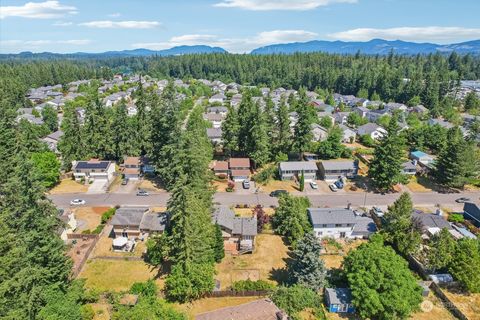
x: 236, y: 25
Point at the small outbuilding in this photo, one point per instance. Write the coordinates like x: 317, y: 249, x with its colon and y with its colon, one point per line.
x: 339, y: 300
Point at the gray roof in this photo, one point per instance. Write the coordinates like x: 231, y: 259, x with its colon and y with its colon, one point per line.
x: 339, y: 165
x: 214, y: 133
x: 298, y: 165
x: 154, y: 221
x: 368, y: 128
x: 55, y: 135
x: 213, y: 116
x: 409, y: 165
x: 331, y: 216
x: 226, y: 218
x: 364, y: 226
x: 430, y: 220
x: 339, y: 295
x: 217, y: 109
x: 128, y: 216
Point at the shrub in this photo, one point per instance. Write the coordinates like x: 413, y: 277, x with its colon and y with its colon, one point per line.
x: 148, y: 288
x: 295, y: 299
x: 98, y: 229
x: 249, y: 285
x: 456, y: 217
x: 265, y: 175
x: 86, y: 231
x: 108, y: 214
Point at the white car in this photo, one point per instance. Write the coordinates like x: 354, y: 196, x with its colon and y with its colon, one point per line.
x: 77, y: 202
x: 314, y: 185
x: 333, y: 187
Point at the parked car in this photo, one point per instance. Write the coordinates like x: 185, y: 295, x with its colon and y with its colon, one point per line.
x: 278, y: 193
x: 339, y: 184
x: 314, y: 185
x: 462, y: 200
x: 246, y: 184
x: 378, y: 212
x: 125, y: 181
x: 333, y: 187
x: 142, y: 193
x: 77, y: 202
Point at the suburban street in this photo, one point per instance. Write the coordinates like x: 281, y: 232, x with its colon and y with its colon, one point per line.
x: 320, y: 200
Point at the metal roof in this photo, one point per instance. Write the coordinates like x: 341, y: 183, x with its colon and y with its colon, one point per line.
x: 339, y: 295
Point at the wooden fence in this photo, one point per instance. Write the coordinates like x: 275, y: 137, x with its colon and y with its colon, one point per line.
x: 77, y: 270
x: 447, y: 303
x: 72, y: 236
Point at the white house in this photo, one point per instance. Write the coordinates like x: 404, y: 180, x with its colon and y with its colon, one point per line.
x: 93, y: 169
x: 348, y: 135
x: 340, y: 223
x: 291, y: 169
x: 373, y: 130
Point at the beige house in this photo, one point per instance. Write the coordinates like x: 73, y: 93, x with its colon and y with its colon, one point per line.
x: 93, y: 169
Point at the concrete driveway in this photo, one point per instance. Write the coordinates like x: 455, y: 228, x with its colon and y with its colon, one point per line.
x: 98, y: 186
x: 130, y: 187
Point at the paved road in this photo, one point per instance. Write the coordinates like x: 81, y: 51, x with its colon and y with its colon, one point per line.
x: 320, y: 200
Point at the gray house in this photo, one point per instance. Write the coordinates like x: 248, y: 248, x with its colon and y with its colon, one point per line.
x: 134, y: 222
x: 331, y: 170
x: 471, y: 211
x: 340, y: 223
x: 238, y: 232
x: 290, y: 169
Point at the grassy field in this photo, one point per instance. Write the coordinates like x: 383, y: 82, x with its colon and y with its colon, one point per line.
x: 151, y: 185
x: 468, y: 304
x: 208, y: 304
x: 69, y: 186
x: 116, y: 275
x: 334, y: 259
x: 102, y: 311
x: 104, y: 249
x: 90, y: 215
x: 266, y: 262
x: 220, y: 186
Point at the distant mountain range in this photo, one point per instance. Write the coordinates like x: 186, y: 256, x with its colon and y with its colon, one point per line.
x: 375, y: 46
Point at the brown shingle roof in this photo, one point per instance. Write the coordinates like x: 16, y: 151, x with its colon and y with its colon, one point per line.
x: 239, y: 163
x: 220, y: 166
x: 263, y: 309
x: 132, y: 161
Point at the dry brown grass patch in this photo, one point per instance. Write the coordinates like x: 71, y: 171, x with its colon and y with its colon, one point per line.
x: 272, y: 185
x: 69, y: 186
x: 92, y: 216
x: 209, y: 304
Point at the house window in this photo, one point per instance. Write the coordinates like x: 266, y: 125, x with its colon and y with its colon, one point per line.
x: 338, y: 225
x: 319, y: 233
x: 324, y: 225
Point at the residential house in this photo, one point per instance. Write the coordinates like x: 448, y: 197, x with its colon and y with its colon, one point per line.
x: 421, y: 157
x: 471, y: 211
x: 217, y: 98
x: 432, y: 223
x: 420, y: 109
x: 331, y: 170
x: 262, y: 309
x: 340, y: 223
x: 238, y: 232
x: 215, y: 135
x: 137, y: 222
x: 69, y: 223
x: 319, y: 133
x: 348, y: 135
x: 93, y: 169
x: 147, y: 166
x: 393, y: 106
x: 339, y: 300
x: 52, y: 140
x: 374, y: 115
x: 220, y: 168
x: 289, y: 170
x: 132, y: 168
x: 373, y: 130
x: 468, y: 119
x: 236, y: 100
x: 409, y: 167
x: 30, y: 118
x: 239, y: 168
x: 374, y: 104
x: 215, y: 119
x: 220, y: 110
x: 441, y: 122
x: 362, y: 111
x: 341, y: 117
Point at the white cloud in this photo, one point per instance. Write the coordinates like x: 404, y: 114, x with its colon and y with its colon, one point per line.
x: 434, y: 34
x: 38, y: 10
x: 63, y: 23
x: 232, y: 44
x: 9, y: 46
x: 108, y: 24
x: 264, y: 5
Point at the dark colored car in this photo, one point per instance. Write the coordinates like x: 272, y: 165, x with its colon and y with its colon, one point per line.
x: 339, y: 184
x: 462, y: 200
x: 278, y: 193
x: 125, y: 181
